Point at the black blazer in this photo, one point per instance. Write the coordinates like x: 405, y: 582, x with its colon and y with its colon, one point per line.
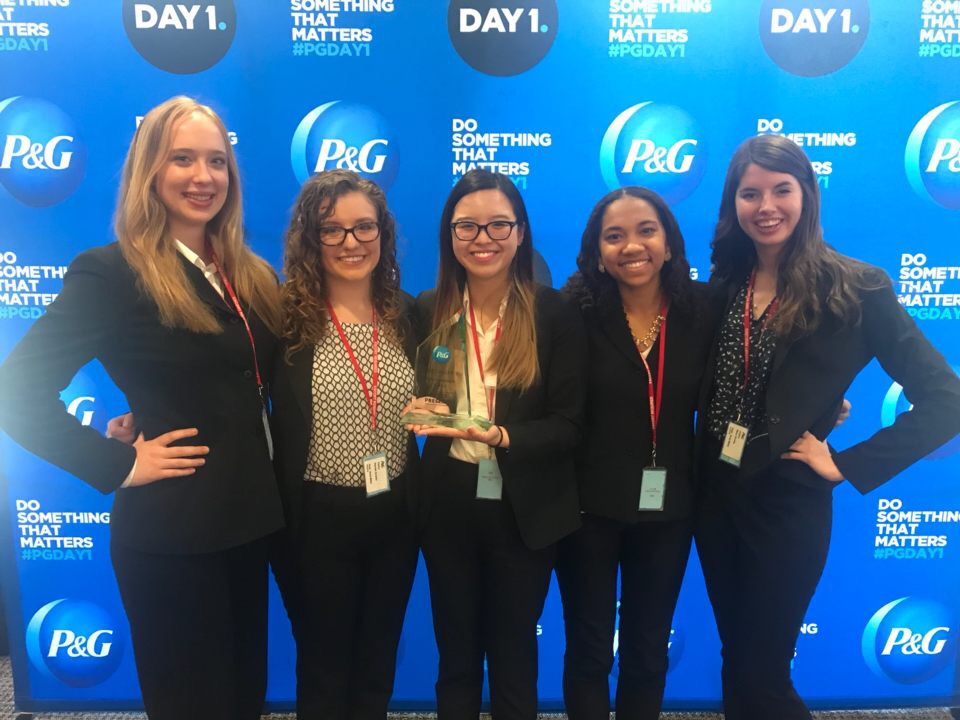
x: 172, y: 379
x: 292, y: 421
x: 617, y: 443
x: 544, y: 423
x: 810, y: 375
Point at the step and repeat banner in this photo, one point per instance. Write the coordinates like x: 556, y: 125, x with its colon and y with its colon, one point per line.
x: 570, y: 98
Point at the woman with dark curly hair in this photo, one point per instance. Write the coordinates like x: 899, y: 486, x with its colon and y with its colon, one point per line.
x: 648, y: 337
x: 801, y: 321
x: 343, y: 459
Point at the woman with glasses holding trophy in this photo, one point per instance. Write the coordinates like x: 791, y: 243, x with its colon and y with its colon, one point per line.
x: 343, y: 458
x: 499, y: 490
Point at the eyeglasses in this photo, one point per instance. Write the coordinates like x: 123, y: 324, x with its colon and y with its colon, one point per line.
x: 467, y: 230
x: 364, y: 232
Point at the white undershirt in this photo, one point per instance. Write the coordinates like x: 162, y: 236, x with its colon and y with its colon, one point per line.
x: 469, y: 450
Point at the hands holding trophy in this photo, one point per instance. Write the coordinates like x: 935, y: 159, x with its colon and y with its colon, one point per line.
x: 440, y: 365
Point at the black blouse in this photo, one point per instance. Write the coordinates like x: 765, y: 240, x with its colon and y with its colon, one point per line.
x: 728, y: 400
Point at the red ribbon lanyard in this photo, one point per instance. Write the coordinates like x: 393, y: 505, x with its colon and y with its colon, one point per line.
x: 747, y: 317
x: 656, y: 402
x: 490, y: 393
x: 369, y: 392
x: 239, y: 310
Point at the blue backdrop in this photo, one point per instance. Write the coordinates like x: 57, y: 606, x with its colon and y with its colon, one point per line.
x: 570, y: 99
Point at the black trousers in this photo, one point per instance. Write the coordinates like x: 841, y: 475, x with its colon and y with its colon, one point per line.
x: 357, y: 557
x: 487, y: 591
x: 652, y: 557
x: 199, y: 630
x: 763, y: 545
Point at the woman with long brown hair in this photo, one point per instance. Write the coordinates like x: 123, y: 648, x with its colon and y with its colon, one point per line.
x: 497, y: 500
x: 184, y: 317
x: 801, y: 321
x: 344, y: 460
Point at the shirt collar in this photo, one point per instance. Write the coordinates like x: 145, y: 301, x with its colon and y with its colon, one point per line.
x: 193, y: 258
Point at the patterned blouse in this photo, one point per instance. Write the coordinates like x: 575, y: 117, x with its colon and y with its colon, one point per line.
x: 728, y: 399
x: 341, y: 434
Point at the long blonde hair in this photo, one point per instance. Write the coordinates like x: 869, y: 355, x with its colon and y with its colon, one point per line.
x: 514, y: 358
x: 142, y: 229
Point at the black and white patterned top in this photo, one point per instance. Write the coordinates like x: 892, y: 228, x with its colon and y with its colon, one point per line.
x: 341, y: 434
x: 727, y: 393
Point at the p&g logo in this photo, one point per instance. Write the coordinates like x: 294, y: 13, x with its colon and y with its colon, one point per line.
x: 180, y: 37
x: 501, y: 39
x: 932, y: 158
x: 75, y: 642
x: 909, y: 640
x: 812, y: 38
x: 346, y: 136
x: 42, y: 160
x: 658, y: 146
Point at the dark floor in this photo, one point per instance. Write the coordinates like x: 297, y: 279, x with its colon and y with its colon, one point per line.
x: 7, y: 711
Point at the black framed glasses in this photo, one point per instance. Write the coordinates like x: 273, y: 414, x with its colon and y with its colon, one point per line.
x: 364, y: 232
x: 467, y: 230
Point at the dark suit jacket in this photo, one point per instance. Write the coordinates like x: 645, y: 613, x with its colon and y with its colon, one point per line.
x: 292, y: 421
x: 617, y: 443
x: 172, y: 379
x: 544, y: 423
x: 810, y: 375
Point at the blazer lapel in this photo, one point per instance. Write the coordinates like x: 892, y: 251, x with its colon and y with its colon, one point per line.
x: 502, y: 404
x: 614, y: 325
x: 205, y: 290
x: 301, y: 374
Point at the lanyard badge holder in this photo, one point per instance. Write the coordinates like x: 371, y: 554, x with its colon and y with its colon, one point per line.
x: 735, y: 439
x: 653, y: 482
x: 489, y: 479
x: 261, y: 390
x: 375, y: 473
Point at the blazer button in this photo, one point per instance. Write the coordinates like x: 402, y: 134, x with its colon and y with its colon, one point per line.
x: 234, y: 319
x: 248, y: 373
x: 774, y: 419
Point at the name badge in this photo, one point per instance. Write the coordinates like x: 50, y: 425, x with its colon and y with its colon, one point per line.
x: 489, y: 480
x: 375, y: 473
x: 733, y: 444
x: 653, y: 488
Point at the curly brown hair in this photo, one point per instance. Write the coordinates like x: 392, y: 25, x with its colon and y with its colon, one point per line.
x: 304, y: 294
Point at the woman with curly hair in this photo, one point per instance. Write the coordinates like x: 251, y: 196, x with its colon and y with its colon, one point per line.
x: 343, y: 458
x: 801, y: 321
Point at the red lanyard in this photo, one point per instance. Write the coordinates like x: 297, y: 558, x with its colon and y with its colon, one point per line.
x: 747, y: 316
x: 656, y: 402
x: 369, y: 392
x: 489, y: 393
x: 236, y: 306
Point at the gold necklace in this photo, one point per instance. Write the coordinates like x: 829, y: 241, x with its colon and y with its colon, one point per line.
x: 647, y: 340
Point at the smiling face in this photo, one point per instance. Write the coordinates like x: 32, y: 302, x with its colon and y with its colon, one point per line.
x: 769, y: 205
x: 483, y: 258
x: 352, y: 261
x: 633, y: 243
x: 193, y: 180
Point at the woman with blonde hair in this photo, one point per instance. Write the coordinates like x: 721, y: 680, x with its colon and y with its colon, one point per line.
x: 184, y: 317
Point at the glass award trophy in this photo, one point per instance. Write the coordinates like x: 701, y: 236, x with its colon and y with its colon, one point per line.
x: 440, y: 368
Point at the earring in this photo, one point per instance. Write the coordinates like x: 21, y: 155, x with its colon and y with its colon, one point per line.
x: 668, y: 256
x: 600, y: 266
